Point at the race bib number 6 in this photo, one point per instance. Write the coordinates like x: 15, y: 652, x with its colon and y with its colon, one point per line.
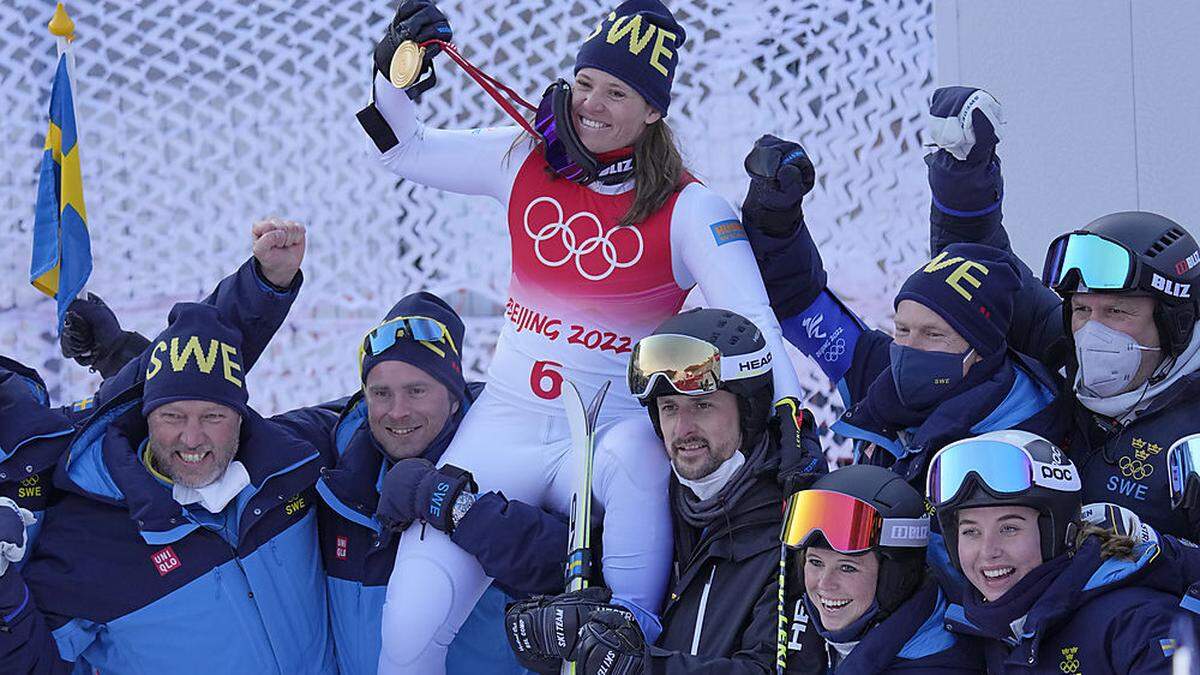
x: 545, y: 381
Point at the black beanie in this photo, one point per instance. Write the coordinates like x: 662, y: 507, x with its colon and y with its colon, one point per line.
x: 637, y: 43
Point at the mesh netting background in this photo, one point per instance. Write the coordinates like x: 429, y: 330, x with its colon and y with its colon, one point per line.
x: 198, y: 116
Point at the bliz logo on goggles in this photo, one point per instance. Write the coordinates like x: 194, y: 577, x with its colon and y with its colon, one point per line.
x: 1171, y: 287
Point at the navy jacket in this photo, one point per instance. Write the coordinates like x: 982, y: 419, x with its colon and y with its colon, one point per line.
x: 522, y: 547
x: 33, y: 436
x: 1018, y: 394
x: 1097, y: 617
x: 913, y: 639
x: 130, y: 581
x: 1125, y: 465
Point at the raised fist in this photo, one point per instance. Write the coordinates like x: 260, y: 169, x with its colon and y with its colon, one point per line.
x: 781, y: 173
x: 965, y: 122
x: 279, y: 248
x: 802, y: 459
x: 417, y: 21
x: 88, y: 326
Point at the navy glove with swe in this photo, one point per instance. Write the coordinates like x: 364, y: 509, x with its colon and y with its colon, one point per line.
x: 416, y: 490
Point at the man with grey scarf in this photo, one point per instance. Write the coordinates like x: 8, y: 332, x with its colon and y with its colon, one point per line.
x: 705, y: 379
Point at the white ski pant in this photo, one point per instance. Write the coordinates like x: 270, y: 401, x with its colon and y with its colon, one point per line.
x: 527, y: 456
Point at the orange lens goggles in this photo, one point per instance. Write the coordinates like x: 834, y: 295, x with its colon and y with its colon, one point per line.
x: 848, y: 524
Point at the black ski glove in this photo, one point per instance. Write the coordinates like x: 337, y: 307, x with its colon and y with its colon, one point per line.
x: 542, y: 631
x: 610, y: 644
x: 419, y: 21
x: 780, y: 175
x: 92, y: 336
x: 802, y: 460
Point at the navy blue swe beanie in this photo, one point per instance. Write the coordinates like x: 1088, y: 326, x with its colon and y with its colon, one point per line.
x: 198, y: 357
x: 637, y: 43
x: 973, y: 288
x: 441, y: 361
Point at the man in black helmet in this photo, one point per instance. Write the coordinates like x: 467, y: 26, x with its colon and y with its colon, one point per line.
x: 705, y: 378
x: 1117, y: 315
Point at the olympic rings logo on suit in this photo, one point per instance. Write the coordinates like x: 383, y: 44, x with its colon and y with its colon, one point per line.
x: 1135, y: 468
x: 577, y: 248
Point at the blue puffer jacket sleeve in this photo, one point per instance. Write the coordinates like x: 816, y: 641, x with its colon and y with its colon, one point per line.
x: 248, y: 302
x: 521, y: 546
x: 966, y: 208
x: 813, y: 319
x: 26, y: 644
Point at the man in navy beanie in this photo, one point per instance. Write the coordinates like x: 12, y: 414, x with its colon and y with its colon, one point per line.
x: 946, y: 375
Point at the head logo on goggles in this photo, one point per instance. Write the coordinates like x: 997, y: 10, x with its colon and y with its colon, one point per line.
x: 688, y: 365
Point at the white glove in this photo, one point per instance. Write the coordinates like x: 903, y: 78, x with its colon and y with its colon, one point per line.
x: 956, y: 134
x: 1119, y: 520
x: 9, y: 551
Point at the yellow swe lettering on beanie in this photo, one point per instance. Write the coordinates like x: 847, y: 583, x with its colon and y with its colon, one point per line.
x: 179, y: 360
x: 155, y: 362
x: 660, y: 49
x: 600, y: 25
x: 959, y: 275
x: 631, y: 26
x: 229, y: 359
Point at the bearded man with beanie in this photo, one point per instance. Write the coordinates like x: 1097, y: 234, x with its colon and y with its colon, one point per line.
x: 948, y: 372
x: 706, y: 384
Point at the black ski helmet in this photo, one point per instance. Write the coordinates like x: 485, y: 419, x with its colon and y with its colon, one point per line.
x: 901, y: 569
x: 732, y: 335
x: 1167, y: 250
x: 1059, y: 510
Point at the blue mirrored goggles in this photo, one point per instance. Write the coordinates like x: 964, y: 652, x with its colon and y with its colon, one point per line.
x: 1099, y: 262
x: 1002, y: 467
x: 1183, y: 469
x: 418, y: 328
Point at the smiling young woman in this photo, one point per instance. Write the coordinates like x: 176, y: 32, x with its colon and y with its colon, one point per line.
x: 1041, y: 585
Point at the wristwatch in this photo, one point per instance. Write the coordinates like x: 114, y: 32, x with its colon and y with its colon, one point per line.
x: 462, y: 504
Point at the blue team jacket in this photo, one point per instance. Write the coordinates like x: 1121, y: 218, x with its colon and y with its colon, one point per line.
x: 359, y: 554
x: 130, y: 581
x: 1099, y: 616
x: 913, y: 639
x: 33, y: 435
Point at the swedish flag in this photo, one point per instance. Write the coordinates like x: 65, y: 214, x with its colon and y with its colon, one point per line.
x: 62, y: 250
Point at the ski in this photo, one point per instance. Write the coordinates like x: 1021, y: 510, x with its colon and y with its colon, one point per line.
x: 582, y: 423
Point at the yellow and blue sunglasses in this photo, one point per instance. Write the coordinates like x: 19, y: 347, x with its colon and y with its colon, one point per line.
x: 422, y: 329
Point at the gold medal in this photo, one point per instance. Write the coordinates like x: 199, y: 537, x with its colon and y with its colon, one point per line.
x: 406, y: 64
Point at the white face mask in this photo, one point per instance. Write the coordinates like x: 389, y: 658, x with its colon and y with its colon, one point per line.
x: 1108, y: 359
